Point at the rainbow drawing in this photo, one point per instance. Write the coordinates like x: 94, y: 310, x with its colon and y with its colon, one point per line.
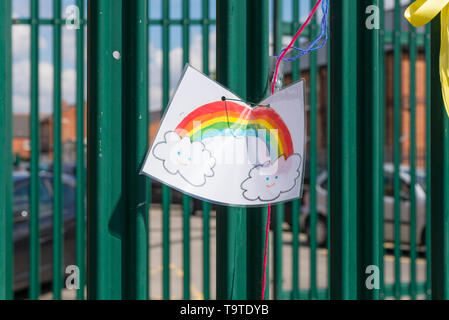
x: 226, y: 118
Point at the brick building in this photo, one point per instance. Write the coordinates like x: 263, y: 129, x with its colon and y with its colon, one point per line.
x: 21, y: 136
x: 21, y: 132
x: 68, y: 133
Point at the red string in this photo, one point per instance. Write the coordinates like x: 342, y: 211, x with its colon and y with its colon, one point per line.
x: 292, y: 43
x: 266, y: 249
x: 278, y: 63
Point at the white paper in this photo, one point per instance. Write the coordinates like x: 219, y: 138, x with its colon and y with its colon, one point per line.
x: 228, y: 152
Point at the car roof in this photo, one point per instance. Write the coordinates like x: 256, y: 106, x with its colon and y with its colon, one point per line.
x: 21, y: 175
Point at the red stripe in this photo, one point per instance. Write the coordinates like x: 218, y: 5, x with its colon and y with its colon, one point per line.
x: 232, y: 109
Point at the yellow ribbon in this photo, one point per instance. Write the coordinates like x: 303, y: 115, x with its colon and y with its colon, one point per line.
x: 422, y: 12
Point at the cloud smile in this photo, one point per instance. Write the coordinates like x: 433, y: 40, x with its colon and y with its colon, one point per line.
x: 277, y: 177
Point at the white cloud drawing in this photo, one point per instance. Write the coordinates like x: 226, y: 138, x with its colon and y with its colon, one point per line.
x: 266, y: 182
x: 188, y: 159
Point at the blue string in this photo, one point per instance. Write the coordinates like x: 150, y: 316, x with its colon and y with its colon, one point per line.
x: 313, y: 46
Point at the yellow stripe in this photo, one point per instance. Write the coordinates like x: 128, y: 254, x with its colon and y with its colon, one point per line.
x: 422, y: 12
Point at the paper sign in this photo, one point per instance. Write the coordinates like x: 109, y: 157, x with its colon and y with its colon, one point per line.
x: 213, y: 146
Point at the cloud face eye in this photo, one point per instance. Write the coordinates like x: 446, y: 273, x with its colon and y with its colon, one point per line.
x: 188, y: 159
x: 282, y: 179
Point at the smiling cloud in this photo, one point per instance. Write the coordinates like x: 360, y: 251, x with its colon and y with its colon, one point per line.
x: 267, y: 182
x: 190, y: 159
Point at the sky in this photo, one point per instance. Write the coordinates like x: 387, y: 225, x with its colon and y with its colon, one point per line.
x: 21, y: 49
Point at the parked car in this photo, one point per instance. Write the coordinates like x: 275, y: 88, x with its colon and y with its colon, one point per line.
x: 21, y: 233
x: 404, y: 174
x: 156, y: 189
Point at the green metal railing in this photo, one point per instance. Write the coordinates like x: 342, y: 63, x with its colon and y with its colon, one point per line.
x: 370, y: 47
x: 6, y: 185
x: 118, y: 198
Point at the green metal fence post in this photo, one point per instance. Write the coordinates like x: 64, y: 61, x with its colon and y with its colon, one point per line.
x: 313, y: 163
x: 58, y: 244
x: 166, y: 191
x: 370, y: 206
x: 439, y: 161
x: 397, y: 115
x: 381, y: 93
x: 80, y: 160
x: 35, y: 154
x: 427, y: 235
x: 6, y: 159
x: 118, y: 113
x: 105, y: 203
x: 231, y: 222
x: 135, y: 116
x: 186, y: 200
x: 343, y: 153
x: 413, y: 240
x: 206, y: 205
x: 257, y: 76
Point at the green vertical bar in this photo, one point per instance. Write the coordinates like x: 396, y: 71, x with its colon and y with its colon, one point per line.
x: 80, y: 162
x: 328, y: 165
x: 343, y: 153
x: 166, y: 192
x: 428, y: 48
x: 257, y: 77
x: 381, y: 136
x: 296, y: 26
x: 370, y: 172
x: 6, y: 159
x: 206, y: 251
x: 135, y: 129
x: 277, y: 251
x: 295, y: 203
x: 231, y: 222
x: 206, y: 205
x: 412, y: 163
x: 186, y: 201
x: 58, y: 245
x: 105, y: 202
x: 439, y: 161
x: 278, y: 212
x: 205, y: 31
x: 35, y: 152
x: 149, y: 184
x: 313, y: 161
x: 295, y: 247
x: 397, y: 132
